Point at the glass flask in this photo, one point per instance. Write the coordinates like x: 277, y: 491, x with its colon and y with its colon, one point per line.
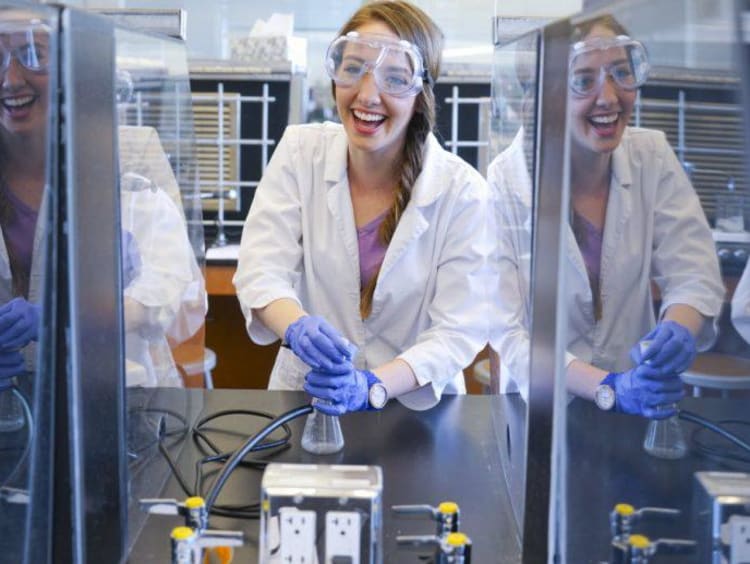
x: 322, y: 434
x: 664, y: 438
x: 730, y: 210
x: 11, y: 411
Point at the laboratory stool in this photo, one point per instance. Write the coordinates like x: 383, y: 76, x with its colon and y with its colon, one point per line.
x: 719, y: 372
x: 195, y: 363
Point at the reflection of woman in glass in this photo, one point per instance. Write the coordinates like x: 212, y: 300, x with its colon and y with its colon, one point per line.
x: 23, y: 129
x: 635, y: 219
x: 370, y: 231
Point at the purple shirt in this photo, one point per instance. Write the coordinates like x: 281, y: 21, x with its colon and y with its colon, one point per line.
x: 18, y: 230
x: 371, y: 250
x: 589, y: 240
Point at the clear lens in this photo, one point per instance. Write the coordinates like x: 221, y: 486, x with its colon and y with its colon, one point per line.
x: 621, y: 58
x: 29, y: 49
x: 396, y: 66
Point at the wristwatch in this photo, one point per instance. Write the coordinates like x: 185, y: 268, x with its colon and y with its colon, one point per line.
x: 604, y: 397
x: 378, y: 395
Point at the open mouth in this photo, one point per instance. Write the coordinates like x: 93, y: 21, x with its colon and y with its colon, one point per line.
x: 366, y: 120
x: 18, y: 103
x: 604, y: 123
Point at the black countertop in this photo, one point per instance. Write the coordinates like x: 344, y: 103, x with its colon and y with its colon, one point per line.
x: 446, y: 453
x: 606, y: 464
x: 451, y: 452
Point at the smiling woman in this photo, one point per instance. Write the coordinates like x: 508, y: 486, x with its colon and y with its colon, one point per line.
x: 634, y: 219
x: 24, y: 85
x: 366, y: 246
x: 24, y: 79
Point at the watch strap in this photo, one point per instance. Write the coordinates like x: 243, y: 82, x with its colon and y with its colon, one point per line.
x: 609, y: 380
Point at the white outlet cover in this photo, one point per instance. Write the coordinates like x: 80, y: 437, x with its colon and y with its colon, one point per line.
x: 297, y: 536
x: 343, y: 535
x: 739, y: 539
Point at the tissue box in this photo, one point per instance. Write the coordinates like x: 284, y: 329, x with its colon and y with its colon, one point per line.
x: 270, y: 49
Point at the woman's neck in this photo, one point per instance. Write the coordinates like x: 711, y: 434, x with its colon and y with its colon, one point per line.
x: 590, y: 172
x: 373, y: 172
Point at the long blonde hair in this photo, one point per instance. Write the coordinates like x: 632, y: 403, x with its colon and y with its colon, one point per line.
x: 412, y: 24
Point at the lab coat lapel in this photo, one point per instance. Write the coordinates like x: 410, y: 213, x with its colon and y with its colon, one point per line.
x: 340, y: 206
x: 619, y: 209
x: 411, y: 226
x: 339, y: 199
x: 413, y: 223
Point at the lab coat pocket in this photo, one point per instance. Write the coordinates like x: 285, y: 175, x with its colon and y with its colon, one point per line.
x: 288, y: 371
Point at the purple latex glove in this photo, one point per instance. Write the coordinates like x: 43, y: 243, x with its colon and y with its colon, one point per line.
x: 343, y: 391
x: 317, y: 343
x: 19, y: 324
x: 130, y: 257
x: 643, y: 389
x: 11, y: 365
x: 671, y: 349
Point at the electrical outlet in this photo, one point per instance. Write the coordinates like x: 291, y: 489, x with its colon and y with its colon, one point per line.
x: 342, y: 537
x: 297, y: 536
x: 739, y: 539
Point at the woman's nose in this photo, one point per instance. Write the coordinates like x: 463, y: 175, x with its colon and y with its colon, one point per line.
x: 607, y: 93
x: 369, y: 93
x: 13, y: 75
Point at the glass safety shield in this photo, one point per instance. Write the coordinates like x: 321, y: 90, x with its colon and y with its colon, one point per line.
x: 161, y: 237
x: 511, y: 178
x: 524, y: 178
x: 657, y: 361
x: 28, y: 223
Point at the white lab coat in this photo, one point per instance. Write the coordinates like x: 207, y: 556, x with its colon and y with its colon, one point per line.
x: 300, y: 242
x: 655, y: 230
x: 741, y: 305
x: 169, y: 284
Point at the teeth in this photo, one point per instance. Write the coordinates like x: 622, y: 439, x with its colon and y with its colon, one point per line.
x: 16, y: 102
x: 368, y: 117
x: 604, y: 119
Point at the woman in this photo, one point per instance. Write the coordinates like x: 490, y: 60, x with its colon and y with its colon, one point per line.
x: 157, y: 262
x: 23, y: 131
x: 366, y: 244
x: 635, y: 218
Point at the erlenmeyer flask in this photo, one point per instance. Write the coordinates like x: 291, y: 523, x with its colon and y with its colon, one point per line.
x: 322, y: 434
x: 11, y: 412
x: 664, y: 438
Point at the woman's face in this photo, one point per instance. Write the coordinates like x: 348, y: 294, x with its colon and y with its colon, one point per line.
x: 23, y: 92
x: 375, y: 122
x: 598, y: 120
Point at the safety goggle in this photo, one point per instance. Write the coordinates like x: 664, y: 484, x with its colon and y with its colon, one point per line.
x: 396, y: 65
x: 30, y: 53
x: 592, y: 61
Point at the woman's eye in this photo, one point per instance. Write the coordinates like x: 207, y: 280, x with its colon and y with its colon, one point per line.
x: 352, y: 69
x: 397, y: 80
x: 583, y: 81
x: 622, y: 73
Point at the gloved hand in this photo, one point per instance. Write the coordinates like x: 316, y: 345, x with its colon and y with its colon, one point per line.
x: 643, y: 389
x: 11, y: 365
x: 19, y: 323
x: 344, y: 391
x: 130, y: 258
x: 672, y: 348
x: 317, y: 343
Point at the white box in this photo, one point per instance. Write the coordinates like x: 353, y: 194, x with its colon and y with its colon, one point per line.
x: 332, y: 492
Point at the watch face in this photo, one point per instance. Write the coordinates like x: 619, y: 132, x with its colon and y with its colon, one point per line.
x: 378, y: 396
x: 605, y: 397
